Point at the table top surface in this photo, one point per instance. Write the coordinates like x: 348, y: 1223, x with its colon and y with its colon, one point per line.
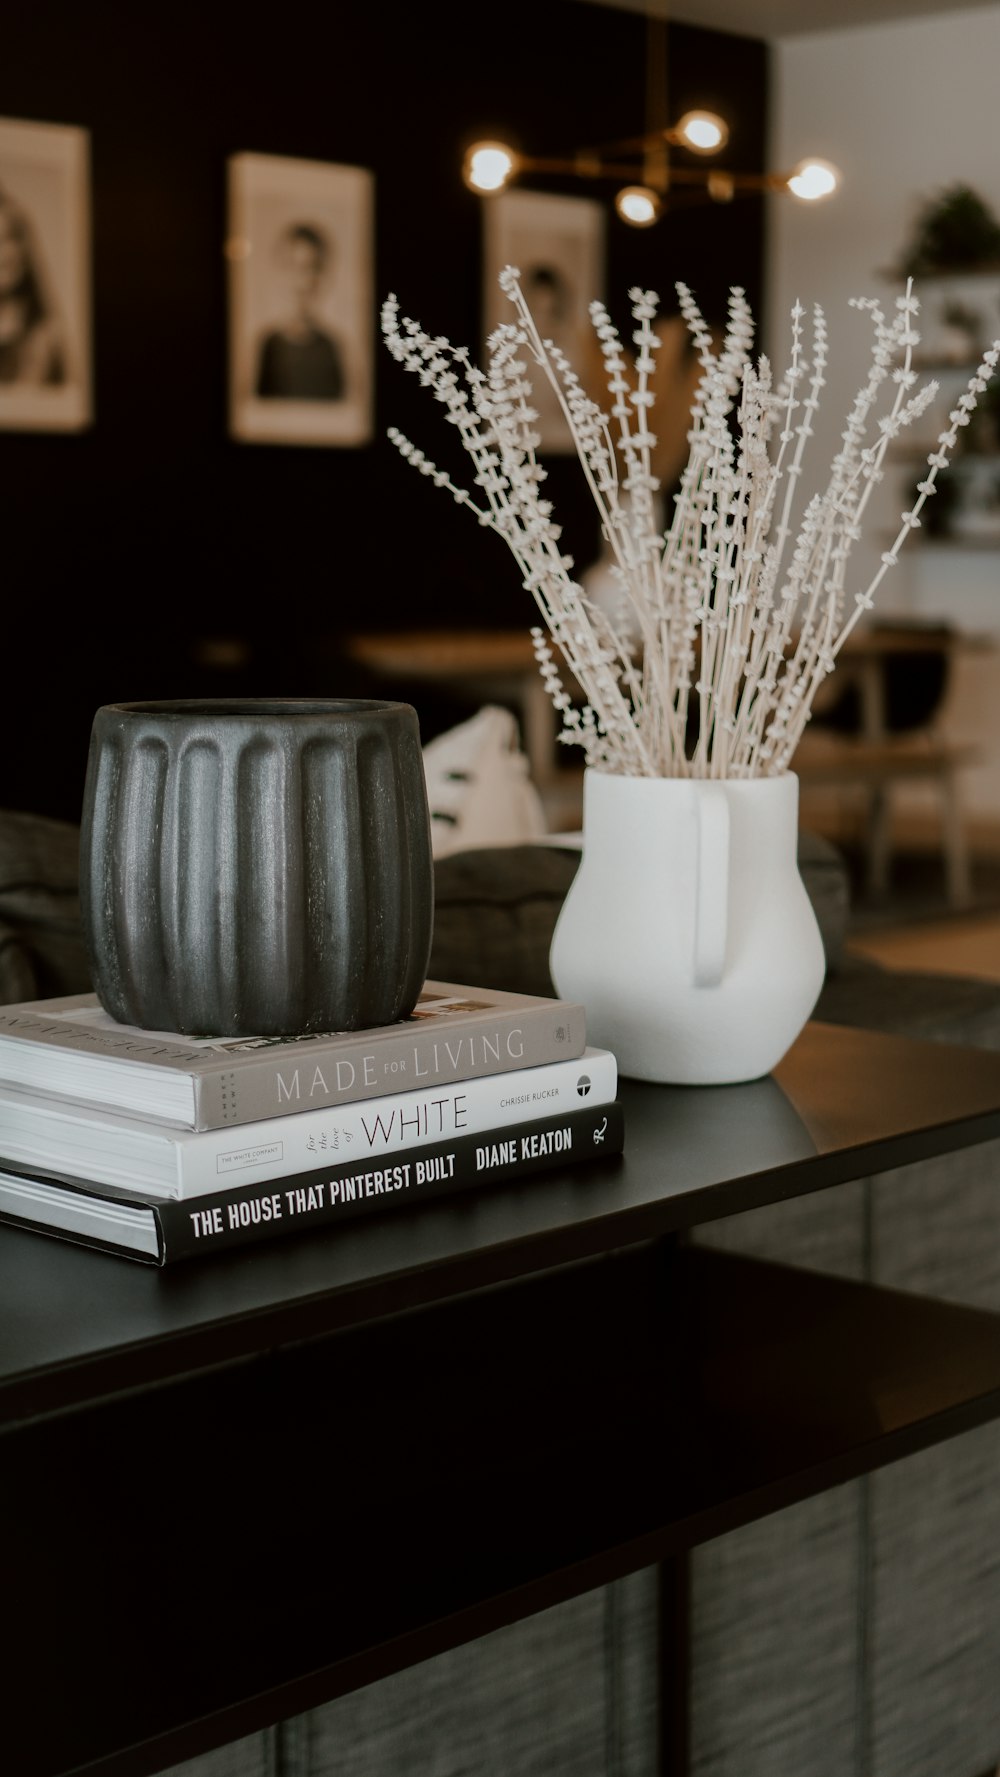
x: 76, y: 1323
x: 456, y: 651
x: 446, y: 651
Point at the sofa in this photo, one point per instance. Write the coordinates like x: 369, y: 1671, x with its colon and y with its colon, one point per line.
x: 854, y: 1635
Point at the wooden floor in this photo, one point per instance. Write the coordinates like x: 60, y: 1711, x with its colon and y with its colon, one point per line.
x: 966, y: 944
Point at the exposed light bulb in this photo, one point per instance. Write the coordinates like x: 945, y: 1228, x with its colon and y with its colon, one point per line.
x: 813, y: 179
x: 703, y: 131
x: 488, y: 166
x: 638, y: 205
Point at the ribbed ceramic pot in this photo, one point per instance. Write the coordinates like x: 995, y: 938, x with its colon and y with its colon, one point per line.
x: 256, y: 868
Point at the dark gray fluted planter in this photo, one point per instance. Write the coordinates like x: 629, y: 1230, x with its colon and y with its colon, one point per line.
x: 256, y: 867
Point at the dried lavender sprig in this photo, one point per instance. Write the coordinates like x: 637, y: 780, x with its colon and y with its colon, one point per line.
x: 959, y: 416
x: 716, y: 576
x: 509, y: 481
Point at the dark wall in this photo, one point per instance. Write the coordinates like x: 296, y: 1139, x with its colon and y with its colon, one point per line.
x: 128, y: 544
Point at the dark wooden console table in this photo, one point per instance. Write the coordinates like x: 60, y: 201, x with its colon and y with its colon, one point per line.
x: 236, y: 1489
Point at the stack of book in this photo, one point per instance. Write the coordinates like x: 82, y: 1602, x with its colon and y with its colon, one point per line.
x: 161, y: 1146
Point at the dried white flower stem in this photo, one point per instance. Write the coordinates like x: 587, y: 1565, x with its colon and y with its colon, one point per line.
x: 711, y: 664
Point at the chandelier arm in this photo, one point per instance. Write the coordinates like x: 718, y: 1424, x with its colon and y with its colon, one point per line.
x: 583, y: 167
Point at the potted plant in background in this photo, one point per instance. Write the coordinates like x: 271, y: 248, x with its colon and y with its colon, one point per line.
x: 954, y: 250
x: 687, y: 930
x: 960, y: 333
x: 955, y: 231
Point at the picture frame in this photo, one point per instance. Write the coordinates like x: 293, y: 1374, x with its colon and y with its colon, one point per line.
x: 46, y: 380
x: 301, y: 301
x: 558, y: 245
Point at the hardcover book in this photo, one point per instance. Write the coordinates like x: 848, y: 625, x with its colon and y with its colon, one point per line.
x: 159, y: 1230
x: 40, y: 1131
x: 72, y: 1048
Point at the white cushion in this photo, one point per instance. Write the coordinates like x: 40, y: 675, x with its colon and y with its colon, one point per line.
x: 479, y: 785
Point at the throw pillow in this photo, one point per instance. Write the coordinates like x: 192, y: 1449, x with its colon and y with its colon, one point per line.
x: 479, y: 785
x: 496, y: 909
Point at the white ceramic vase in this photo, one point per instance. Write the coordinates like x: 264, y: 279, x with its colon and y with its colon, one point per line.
x: 687, y: 931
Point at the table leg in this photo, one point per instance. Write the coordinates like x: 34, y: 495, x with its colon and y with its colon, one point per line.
x: 871, y: 692
x: 540, y: 729
x: 674, y: 1666
x: 673, y: 1615
x: 879, y: 841
x: 956, y: 850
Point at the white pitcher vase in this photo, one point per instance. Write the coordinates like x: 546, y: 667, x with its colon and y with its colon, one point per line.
x: 687, y: 931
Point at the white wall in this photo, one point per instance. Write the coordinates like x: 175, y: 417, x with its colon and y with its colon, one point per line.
x: 903, y: 110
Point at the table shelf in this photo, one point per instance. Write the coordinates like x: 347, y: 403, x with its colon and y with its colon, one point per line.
x: 237, y: 1488
x: 840, y: 1104
x: 321, y: 1517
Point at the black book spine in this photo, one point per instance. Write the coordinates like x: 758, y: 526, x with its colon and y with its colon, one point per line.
x: 204, y: 1225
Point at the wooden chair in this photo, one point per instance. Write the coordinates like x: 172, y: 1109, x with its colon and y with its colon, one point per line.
x: 882, y: 730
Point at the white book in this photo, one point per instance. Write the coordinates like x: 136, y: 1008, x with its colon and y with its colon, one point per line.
x: 42, y: 1131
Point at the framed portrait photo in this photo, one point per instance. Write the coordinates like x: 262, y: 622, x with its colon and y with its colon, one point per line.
x: 558, y: 245
x: 301, y: 316
x: 45, y: 325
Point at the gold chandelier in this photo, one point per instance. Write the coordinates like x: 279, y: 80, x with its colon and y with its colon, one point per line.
x: 643, y: 165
